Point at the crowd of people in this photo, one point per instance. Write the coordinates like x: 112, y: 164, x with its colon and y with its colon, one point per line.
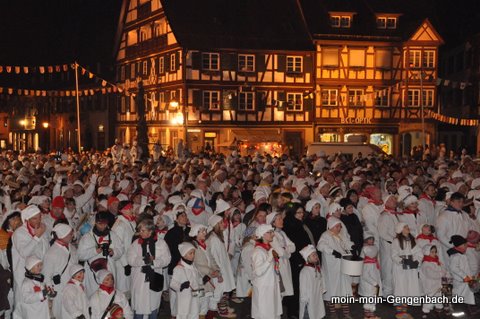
x: 118, y: 234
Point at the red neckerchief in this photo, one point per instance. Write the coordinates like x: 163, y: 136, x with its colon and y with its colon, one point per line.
x: 130, y: 218
x: 102, y: 239
x: 31, y: 231
x: 314, y: 266
x: 412, y: 212
x: 141, y: 240
x: 108, y: 290
x: 263, y: 245
x: 370, y: 260
x: 461, y: 251
x: 57, y: 218
x: 37, y: 288
x: 425, y: 196
x: 61, y: 243
x: 392, y: 211
x: 161, y: 231
x: 431, y: 259
x: 235, y: 224
x: 470, y: 245
x: 430, y: 237
x: 375, y: 202
x: 202, y: 244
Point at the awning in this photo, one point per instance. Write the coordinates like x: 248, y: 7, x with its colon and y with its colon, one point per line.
x: 257, y: 136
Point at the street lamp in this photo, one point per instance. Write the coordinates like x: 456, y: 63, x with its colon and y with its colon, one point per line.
x: 45, y: 125
x: 180, y: 118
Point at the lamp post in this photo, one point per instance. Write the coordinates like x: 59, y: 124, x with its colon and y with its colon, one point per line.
x: 181, y: 119
x: 46, y: 126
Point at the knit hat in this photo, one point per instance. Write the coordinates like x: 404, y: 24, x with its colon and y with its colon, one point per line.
x: 214, y: 220
x: 222, y: 206
x: 195, y: 229
x: 29, y: 212
x: 124, y: 205
x: 62, y: 230
x: 410, y: 199
x: 473, y: 237
x: 73, y: 269
x: 368, y: 234
x: 332, y: 222
x: 102, y: 274
x: 262, y: 229
x: 333, y: 190
x: 37, y: 200
x: 184, y: 248
x: 311, y: 203
x: 58, y: 202
x: 399, y: 227
x: 307, y: 251
x: 31, y: 261
x: 115, y: 310
x: 333, y: 208
x: 457, y: 240
x: 426, y: 249
x: 271, y: 217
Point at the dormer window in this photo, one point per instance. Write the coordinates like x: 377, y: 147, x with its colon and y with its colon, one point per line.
x: 340, y: 21
x: 386, y: 22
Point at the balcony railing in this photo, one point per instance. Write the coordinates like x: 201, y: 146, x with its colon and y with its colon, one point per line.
x: 146, y: 47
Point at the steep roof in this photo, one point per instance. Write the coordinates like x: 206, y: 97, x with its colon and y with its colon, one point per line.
x: 234, y: 24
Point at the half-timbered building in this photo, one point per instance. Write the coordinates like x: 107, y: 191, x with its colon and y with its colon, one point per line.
x: 239, y: 72
x: 376, y: 66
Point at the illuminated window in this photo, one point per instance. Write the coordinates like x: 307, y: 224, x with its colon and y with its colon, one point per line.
x: 428, y: 59
x: 246, y: 101
x: 210, y: 61
x: 329, y: 97
x: 382, y: 97
x: 386, y: 22
x: 355, y: 97
x: 414, y: 58
x: 340, y: 21
x: 173, y: 62
x: 295, y: 101
x: 211, y: 100
x: 330, y: 57
x: 161, y: 65
x: 357, y: 57
x: 145, y: 68
x: 294, y: 64
x: 413, y: 97
x: 246, y: 62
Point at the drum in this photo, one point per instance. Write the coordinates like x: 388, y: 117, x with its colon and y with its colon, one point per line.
x: 351, y: 265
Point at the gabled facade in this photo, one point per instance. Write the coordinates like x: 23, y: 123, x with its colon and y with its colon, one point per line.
x: 251, y: 91
x: 266, y: 77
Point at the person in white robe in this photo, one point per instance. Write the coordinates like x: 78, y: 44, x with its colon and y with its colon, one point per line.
x: 266, y: 297
x: 147, y: 255
x: 99, y: 249
x: 406, y: 257
x: 74, y: 297
x: 187, y: 283
x: 61, y: 255
x: 284, y: 248
x: 312, y: 285
x: 106, y: 296
x: 333, y: 247
x: 426, y: 203
x: 431, y: 273
x: 35, y: 294
x: 370, y: 280
x: 30, y: 239
x: 124, y: 227
x: 372, y: 210
x: 473, y: 251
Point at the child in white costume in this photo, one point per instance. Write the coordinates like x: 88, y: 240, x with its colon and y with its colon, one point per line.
x: 187, y: 283
x: 431, y: 274
x: 312, y: 285
x: 370, y: 280
x: 35, y: 294
x: 74, y: 297
x: 106, y: 296
x: 266, y: 298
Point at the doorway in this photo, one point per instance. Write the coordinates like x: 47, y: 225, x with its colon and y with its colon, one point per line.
x: 294, y: 142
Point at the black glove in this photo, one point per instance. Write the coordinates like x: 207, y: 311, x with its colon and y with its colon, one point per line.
x: 146, y: 269
x: 413, y: 264
x: 127, y: 270
x: 337, y: 254
x: 205, y: 279
x: 185, y: 285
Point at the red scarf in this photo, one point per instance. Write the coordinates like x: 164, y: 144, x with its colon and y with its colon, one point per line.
x: 370, y: 260
x: 430, y: 237
x: 408, y: 211
x: 202, y: 244
x: 141, y: 240
x: 392, y: 211
x: 109, y: 290
x: 431, y: 259
x: 460, y: 250
x: 315, y: 266
x: 61, y: 243
x: 130, y: 218
x: 375, y: 202
x: 263, y: 245
x: 470, y: 245
x: 31, y: 231
x: 425, y: 196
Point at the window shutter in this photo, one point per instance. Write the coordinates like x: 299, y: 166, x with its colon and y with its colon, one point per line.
x: 198, y: 99
x: 177, y: 60
x: 161, y: 58
x: 281, y: 98
x: 260, y: 65
x: 196, y: 60
x: 307, y: 64
x: 307, y: 104
x: 233, y: 61
x: 261, y: 101
x: 226, y: 61
x: 167, y: 63
x: 281, y: 63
